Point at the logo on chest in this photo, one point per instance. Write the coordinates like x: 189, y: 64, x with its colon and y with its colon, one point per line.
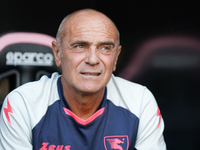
x: 120, y: 142
x: 47, y: 146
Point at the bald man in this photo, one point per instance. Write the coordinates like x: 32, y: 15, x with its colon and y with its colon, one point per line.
x: 86, y: 107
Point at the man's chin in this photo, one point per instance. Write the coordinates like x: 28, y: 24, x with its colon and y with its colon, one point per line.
x: 90, y: 90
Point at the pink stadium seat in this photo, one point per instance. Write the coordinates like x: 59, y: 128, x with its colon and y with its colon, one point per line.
x: 24, y: 57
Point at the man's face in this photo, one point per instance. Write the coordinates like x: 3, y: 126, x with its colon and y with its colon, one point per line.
x: 89, y: 54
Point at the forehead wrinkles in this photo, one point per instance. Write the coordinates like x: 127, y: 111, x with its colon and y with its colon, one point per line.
x: 91, y: 25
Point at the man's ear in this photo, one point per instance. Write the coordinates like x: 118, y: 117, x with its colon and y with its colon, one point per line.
x: 118, y: 52
x: 57, y: 53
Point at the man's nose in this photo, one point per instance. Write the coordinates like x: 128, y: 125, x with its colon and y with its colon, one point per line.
x: 92, y: 56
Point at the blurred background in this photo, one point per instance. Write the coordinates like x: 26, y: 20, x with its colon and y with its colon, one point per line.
x: 160, y: 49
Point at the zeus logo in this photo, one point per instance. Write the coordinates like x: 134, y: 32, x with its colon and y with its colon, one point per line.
x: 8, y: 110
x: 54, y: 147
x: 29, y: 58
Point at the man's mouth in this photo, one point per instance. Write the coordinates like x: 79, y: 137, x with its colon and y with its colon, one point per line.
x: 91, y: 74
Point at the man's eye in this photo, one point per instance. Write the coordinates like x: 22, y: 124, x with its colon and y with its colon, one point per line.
x: 79, y: 46
x: 106, y: 48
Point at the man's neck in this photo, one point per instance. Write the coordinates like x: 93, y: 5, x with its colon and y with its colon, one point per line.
x: 83, y: 105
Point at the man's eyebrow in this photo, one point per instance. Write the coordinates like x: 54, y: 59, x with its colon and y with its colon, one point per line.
x: 79, y: 42
x: 107, y: 43
x: 88, y: 43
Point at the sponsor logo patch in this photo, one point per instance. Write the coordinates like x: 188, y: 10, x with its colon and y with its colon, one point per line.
x: 29, y: 58
x: 47, y: 146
